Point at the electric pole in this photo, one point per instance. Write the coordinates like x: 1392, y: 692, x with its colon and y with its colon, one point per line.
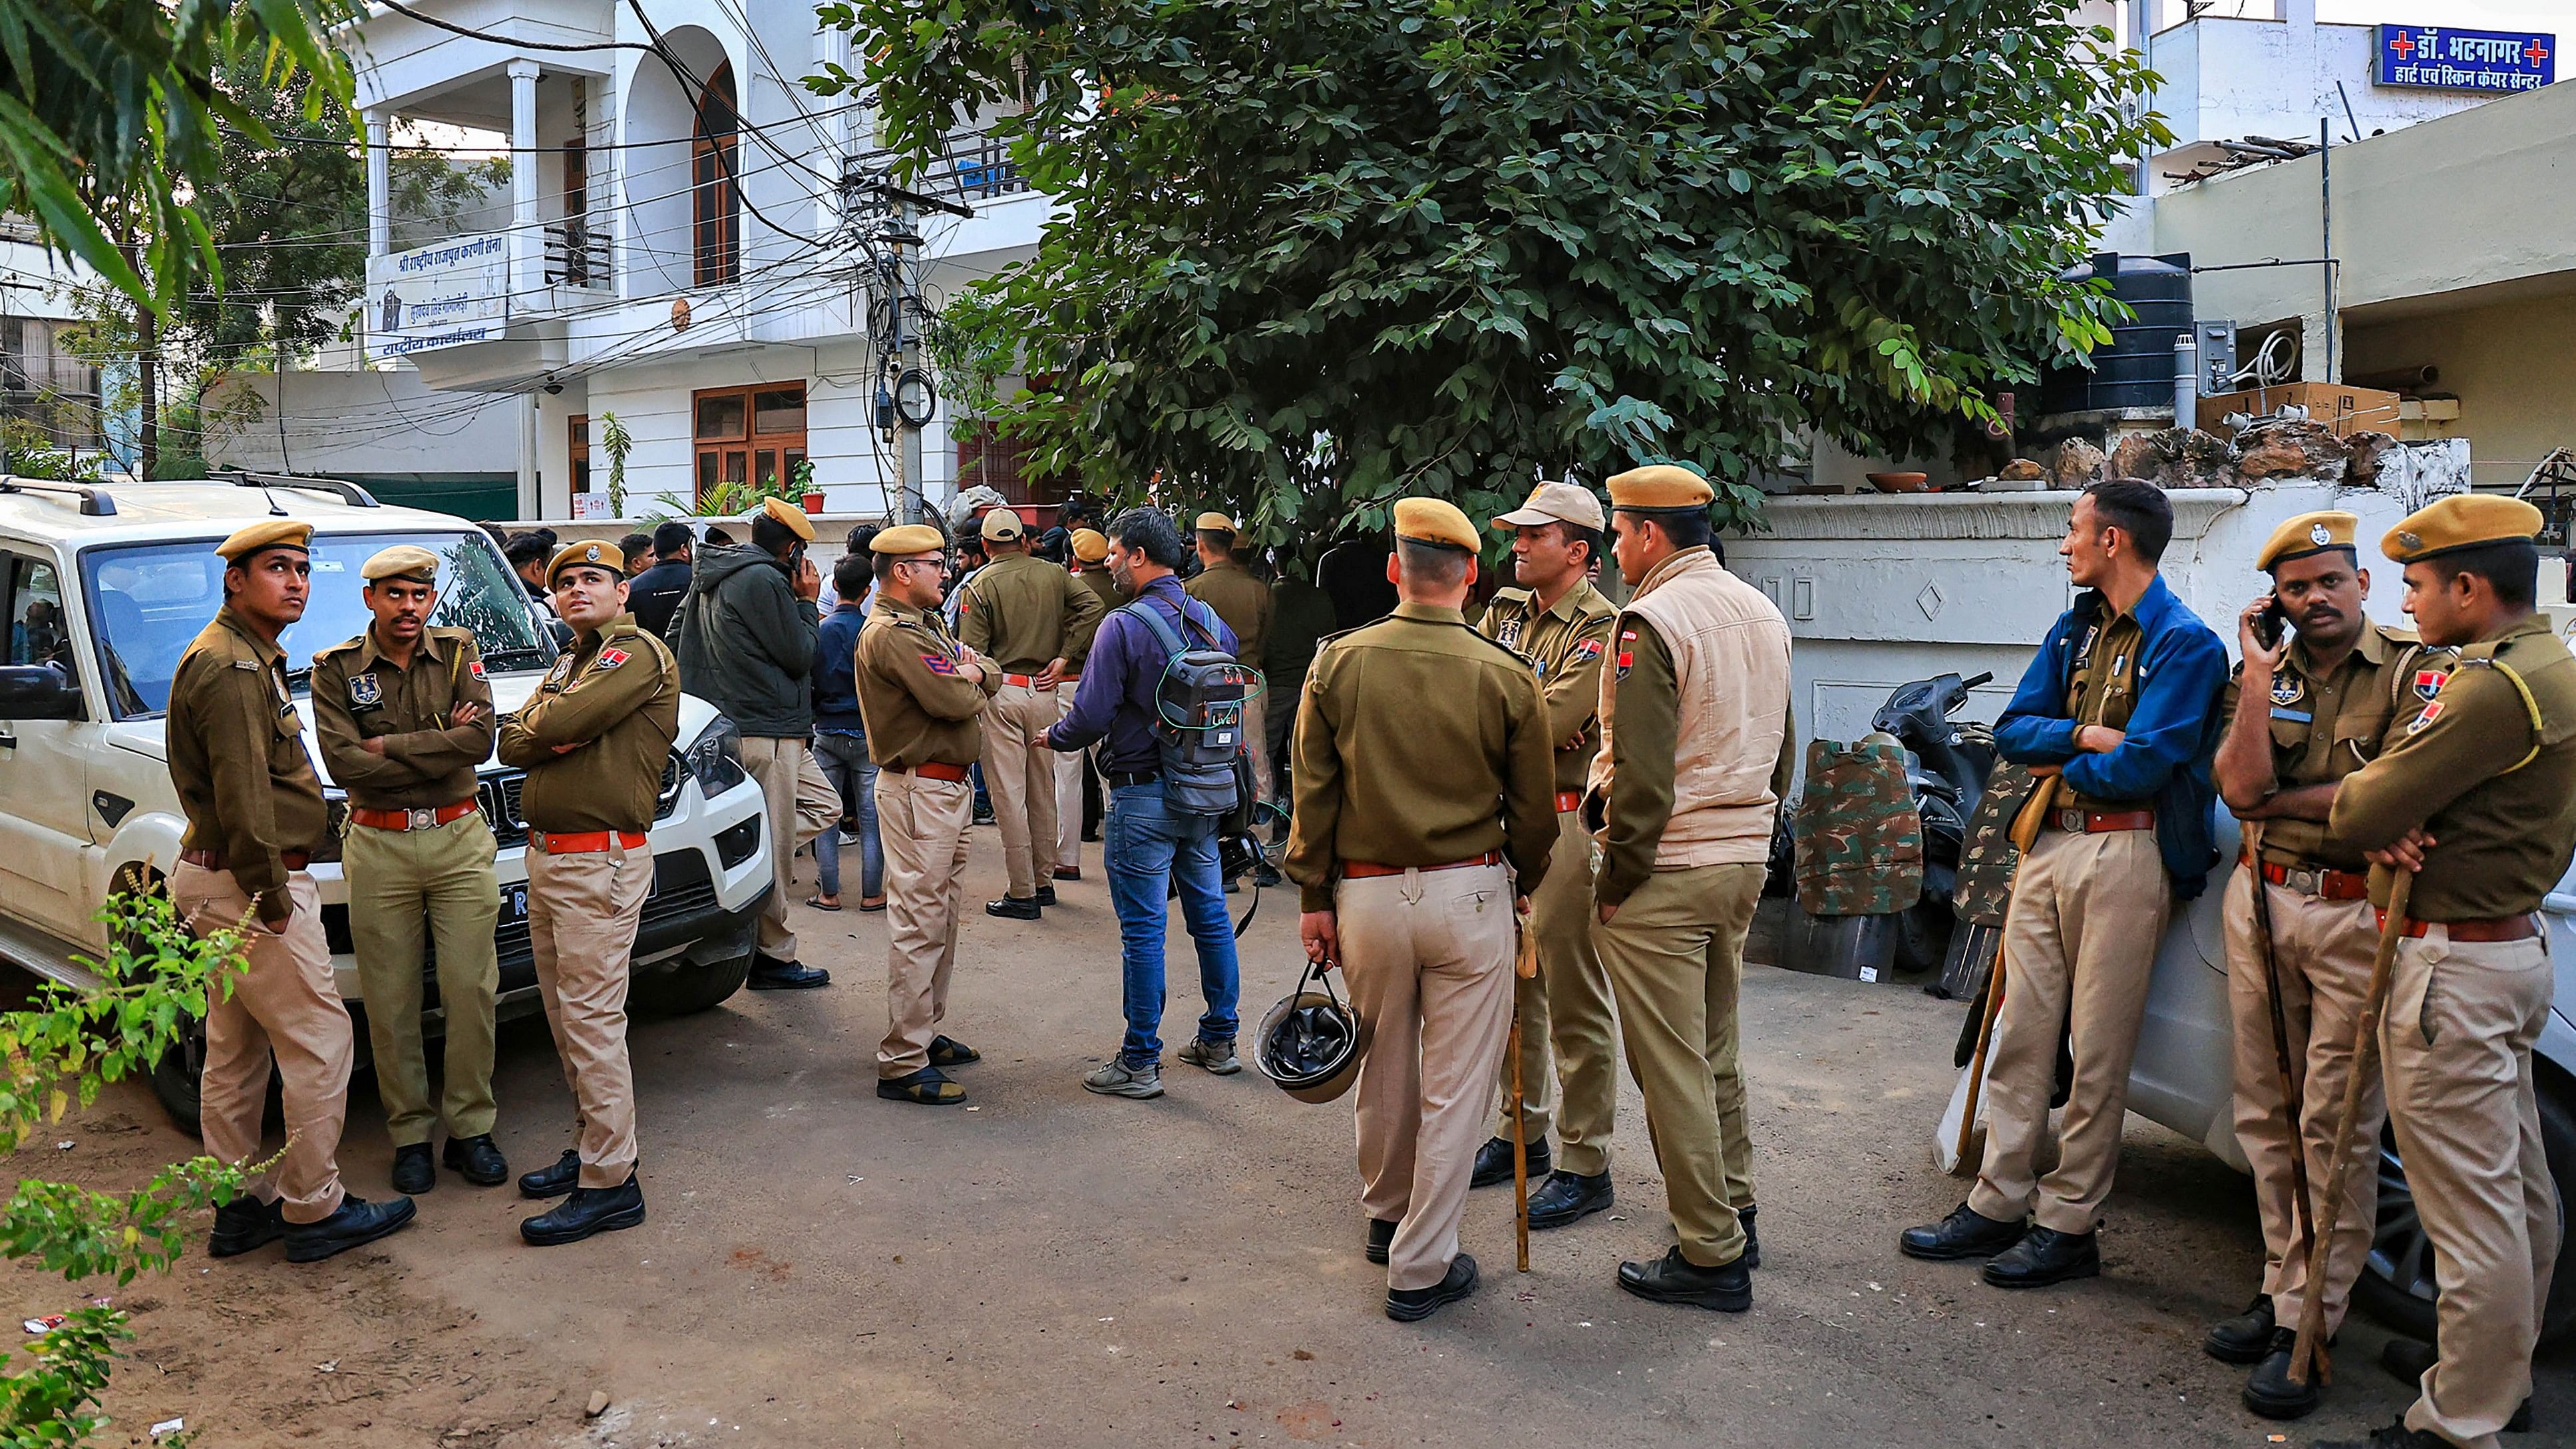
x: 906, y: 398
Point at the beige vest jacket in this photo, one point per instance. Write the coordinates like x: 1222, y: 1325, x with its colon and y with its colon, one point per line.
x: 1731, y: 652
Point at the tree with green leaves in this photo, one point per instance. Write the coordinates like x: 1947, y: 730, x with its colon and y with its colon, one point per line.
x: 1314, y: 255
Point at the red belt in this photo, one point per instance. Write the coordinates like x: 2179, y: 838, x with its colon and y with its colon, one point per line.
x: 208, y: 860
x: 2485, y: 928
x: 1568, y: 800
x: 930, y: 772
x: 2332, y: 885
x: 412, y: 819
x: 2098, y: 822
x: 583, y: 842
x: 1362, y: 870
x: 1025, y: 681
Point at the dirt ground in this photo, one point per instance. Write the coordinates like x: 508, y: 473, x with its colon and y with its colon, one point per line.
x: 824, y: 1268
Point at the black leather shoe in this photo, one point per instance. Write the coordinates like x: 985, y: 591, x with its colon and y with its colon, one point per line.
x: 1412, y: 1305
x: 2410, y: 1358
x: 588, y: 1211
x: 414, y: 1173
x: 770, y: 974
x: 2046, y: 1256
x: 1494, y: 1162
x: 358, y: 1222
x: 553, y: 1181
x: 1046, y: 895
x: 245, y: 1224
x: 1752, y: 1240
x: 1381, y: 1237
x: 1965, y: 1233
x: 2395, y: 1436
x: 1267, y: 876
x: 1567, y: 1198
x: 1672, y: 1278
x: 2268, y: 1390
x: 2244, y: 1339
x: 1012, y: 908
x: 476, y: 1159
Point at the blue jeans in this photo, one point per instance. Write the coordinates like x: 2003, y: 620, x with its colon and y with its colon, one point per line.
x: 845, y: 763
x: 1146, y: 847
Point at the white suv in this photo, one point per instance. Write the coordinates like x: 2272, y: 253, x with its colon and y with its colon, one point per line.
x: 103, y: 588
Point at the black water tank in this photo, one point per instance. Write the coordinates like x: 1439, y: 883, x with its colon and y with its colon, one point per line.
x: 2137, y: 369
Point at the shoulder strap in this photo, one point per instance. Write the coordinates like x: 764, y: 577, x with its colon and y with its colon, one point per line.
x: 1164, y: 633
x: 2484, y: 655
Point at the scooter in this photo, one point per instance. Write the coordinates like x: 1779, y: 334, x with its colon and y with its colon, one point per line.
x: 1946, y: 763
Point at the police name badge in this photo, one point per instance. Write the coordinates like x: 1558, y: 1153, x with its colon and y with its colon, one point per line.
x: 364, y: 692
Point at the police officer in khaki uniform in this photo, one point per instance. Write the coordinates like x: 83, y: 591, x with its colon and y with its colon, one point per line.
x: 923, y: 695
x: 1560, y: 623
x: 1695, y: 751
x: 1412, y: 729
x: 2477, y: 796
x: 255, y: 812
x: 1073, y: 770
x: 593, y: 739
x: 1244, y: 603
x: 1027, y: 615
x: 404, y: 715
x: 2306, y: 709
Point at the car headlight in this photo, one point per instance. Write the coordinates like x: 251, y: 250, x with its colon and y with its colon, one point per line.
x: 715, y: 758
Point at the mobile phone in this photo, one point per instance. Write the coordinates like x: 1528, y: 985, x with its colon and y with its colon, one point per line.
x: 2270, y: 624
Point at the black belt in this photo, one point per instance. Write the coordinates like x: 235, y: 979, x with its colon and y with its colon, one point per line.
x: 1121, y: 779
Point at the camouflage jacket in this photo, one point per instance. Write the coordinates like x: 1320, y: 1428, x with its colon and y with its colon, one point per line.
x: 1987, y: 859
x: 1859, y: 837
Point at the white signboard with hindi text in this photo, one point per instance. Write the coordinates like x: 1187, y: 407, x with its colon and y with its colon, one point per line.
x: 438, y: 296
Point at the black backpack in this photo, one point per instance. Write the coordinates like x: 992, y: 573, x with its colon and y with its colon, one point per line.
x: 1202, y: 708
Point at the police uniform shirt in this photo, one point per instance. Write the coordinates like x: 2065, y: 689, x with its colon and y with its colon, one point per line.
x: 238, y: 762
x: 616, y: 697
x: 1241, y: 600
x: 2104, y: 687
x: 360, y: 694
x: 919, y: 706
x: 2326, y: 727
x: 1565, y: 646
x: 1025, y: 613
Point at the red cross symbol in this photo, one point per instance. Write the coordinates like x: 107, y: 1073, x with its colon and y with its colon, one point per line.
x: 2404, y: 45
x: 2535, y: 53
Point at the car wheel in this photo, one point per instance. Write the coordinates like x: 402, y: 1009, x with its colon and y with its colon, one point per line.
x: 2397, y: 1284
x: 684, y: 988
x: 176, y: 1074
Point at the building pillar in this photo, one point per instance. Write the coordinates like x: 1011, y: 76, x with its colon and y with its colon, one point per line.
x: 527, y: 239
x: 380, y: 218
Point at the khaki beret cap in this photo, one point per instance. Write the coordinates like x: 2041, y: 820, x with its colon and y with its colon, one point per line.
x: 1555, y: 503
x: 2306, y: 534
x: 1213, y: 522
x: 587, y: 553
x: 2461, y: 520
x: 908, y: 539
x: 1436, y: 521
x: 1660, y: 485
x: 274, y: 533
x: 1002, y: 525
x: 1090, y: 545
x: 788, y: 513
x: 402, y: 561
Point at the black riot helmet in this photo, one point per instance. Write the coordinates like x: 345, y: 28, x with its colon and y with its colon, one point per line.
x: 1311, y: 1043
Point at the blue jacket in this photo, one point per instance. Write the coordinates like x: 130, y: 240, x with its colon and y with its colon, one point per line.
x: 2171, y: 734
x: 836, y: 680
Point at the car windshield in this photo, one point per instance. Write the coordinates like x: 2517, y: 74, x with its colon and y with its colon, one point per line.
x: 150, y: 600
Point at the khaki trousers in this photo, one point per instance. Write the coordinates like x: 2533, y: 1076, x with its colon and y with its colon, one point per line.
x: 923, y: 823
x: 2080, y: 939
x: 582, y: 913
x: 283, y: 1007
x: 1675, y: 958
x: 1068, y: 790
x: 407, y: 887
x: 1256, y: 743
x: 1019, y: 771
x: 2322, y: 950
x: 1427, y: 956
x: 1567, y: 1008
x: 801, y: 804
x: 2457, y: 1039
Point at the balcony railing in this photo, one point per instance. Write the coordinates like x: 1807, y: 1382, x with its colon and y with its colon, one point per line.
x: 975, y: 166
x: 576, y: 254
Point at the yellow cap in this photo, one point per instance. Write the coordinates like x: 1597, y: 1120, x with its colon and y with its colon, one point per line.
x: 1556, y: 503
x: 403, y: 560
x: 1435, y: 521
x: 1213, y: 522
x: 2306, y: 534
x: 788, y: 513
x: 1002, y: 525
x: 275, y: 533
x: 587, y: 553
x: 1660, y: 485
x: 908, y: 539
x: 2461, y: 520
x: 1090, y: 545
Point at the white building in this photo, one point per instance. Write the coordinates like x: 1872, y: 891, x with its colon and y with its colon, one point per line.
x: 52, y: 395
x: 679, y: 252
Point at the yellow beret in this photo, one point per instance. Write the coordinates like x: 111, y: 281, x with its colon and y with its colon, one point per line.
x: 2458, y: 521
x: 1660, y: 485
x: 782, y: 511
x: 587, y: 553
x: 1213, y: 523
x: 1436, y: 521
x: 2306, y: 534
x: 275, y: 533
x: 1090, y: 545
x: 403, y: 561
x: 908, y: 539
x: 1002, y: 525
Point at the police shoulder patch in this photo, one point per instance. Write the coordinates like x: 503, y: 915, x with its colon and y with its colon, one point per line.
x: 2429, y: 682
x: 2431, y: 713
x: 1585, y: 652
x: 476, y: 669
x: 939, y: 664
x: 611, y: 658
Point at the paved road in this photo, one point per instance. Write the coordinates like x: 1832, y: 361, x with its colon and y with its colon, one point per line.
x: 824, y: 1268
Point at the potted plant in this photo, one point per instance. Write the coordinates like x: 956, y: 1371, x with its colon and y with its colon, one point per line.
x: 800, y: 480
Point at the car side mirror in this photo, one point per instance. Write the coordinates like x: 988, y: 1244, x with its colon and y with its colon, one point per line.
x: 37, y: 691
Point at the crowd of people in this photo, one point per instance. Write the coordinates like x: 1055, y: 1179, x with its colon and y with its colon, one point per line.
x: 1587, y: 785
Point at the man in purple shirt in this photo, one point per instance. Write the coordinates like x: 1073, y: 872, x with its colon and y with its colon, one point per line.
x: 1149, y: 847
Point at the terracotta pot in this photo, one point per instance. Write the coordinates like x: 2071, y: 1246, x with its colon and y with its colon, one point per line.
x: 1897, y: 482
x: 814, y: 501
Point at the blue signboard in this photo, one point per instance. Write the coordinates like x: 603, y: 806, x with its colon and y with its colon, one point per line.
x: 2465, y: 60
